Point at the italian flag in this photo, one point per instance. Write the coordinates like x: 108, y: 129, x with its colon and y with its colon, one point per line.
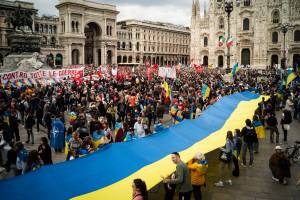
x: 229, y: 41
x: 221, y: 41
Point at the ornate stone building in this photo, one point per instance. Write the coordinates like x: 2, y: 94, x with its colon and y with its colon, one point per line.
x: 6, y: 9
x: 153, y: 42
x: 87, y: 32
x: 258, y: 40
x: 47, y: 27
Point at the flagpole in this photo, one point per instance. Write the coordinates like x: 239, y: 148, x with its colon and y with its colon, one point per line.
x: 228, y: 10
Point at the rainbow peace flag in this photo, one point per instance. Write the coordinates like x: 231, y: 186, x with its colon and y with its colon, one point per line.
x: 27, y: 82
x: 205, y: 91
x: 32, y: 81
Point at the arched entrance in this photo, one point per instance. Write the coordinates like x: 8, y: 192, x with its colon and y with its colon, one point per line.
x: 220, y: 61
x: 119, y: 59
x: 245, y: 57
x: 50, y: 60
x: 274, y: 60
x: 92, y: 33
x: 124, y: 59
x: 59, y: 60
x: 130, y: 59
x: 99, y: 56
x: 75, y: 57
x: 109, y: 57
x: 205, y: 60
x: 296, y: 60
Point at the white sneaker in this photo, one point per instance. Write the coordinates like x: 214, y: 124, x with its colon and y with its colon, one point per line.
x: 229, y: 182
x: 219, y: 184
x: 275, y: 179
x: 243, y: 165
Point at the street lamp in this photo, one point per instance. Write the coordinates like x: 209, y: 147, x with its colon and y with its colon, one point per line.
x: 285, y: 27
x: 228, y: 10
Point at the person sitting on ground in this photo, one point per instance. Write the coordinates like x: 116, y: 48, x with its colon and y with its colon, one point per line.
x: 74, y: 146
x: 87, y: 145
x: 33, y: 161
x: 280, y: 166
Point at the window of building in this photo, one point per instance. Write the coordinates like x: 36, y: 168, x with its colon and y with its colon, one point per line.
x: 130, y: 46
x: 246, y: 25
x: 297, y: 36
x: 275, y: 37
x: 276, y: 17
x: 221, y: 23
x: 123, y: 45
x: 205, y: 42
x: 137, y: 46
x: 73, y: 26
x: 118, y: 45
x: 247, y: 2
x: 44, y: 40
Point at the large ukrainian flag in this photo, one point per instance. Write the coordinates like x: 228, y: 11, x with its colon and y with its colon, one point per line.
x: 108, y: 174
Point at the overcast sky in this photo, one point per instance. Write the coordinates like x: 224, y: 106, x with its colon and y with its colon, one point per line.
x: 173, y: 11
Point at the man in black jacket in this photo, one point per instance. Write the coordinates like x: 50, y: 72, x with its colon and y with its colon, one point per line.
x: 272, y: 124
x: 249, y: 135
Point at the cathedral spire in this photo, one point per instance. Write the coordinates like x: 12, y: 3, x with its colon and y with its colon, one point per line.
x: 197, y: 8
x: 193, y: 9
x: 205, y: 11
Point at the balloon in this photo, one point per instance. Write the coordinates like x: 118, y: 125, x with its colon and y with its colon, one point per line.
x: 72, y: 117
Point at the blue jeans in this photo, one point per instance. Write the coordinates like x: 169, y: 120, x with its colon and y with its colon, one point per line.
x: 245, y: 147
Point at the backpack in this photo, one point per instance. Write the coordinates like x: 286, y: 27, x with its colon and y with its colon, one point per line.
x: 288, y: 117
x: 250, y: 135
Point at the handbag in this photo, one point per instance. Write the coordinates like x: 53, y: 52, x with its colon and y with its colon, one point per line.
x: 225, y: 157
x: 286, y: 127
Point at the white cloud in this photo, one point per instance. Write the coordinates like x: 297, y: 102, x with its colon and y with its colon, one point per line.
x: 172, y: 14
x: 173, y: 11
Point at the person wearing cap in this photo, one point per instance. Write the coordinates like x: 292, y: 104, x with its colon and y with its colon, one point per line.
x: 280, y: 166
x: 198, y: 169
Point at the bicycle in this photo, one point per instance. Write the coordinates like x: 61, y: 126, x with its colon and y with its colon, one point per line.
x: 293, y: 152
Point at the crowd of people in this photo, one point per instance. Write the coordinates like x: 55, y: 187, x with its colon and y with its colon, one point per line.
x: 83, y: 115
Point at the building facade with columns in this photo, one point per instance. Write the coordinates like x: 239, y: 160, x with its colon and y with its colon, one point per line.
x: 258, y: 40
x: 87, y: 31
x: 152, y: 42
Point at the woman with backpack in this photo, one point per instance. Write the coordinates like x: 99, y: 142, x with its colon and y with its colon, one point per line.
x: 285, y: 122
x: 226, y: 160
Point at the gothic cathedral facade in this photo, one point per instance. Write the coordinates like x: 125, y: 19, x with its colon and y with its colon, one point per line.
x: 255, y: 27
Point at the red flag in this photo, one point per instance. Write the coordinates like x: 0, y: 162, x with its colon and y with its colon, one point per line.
x: 149, y: 73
